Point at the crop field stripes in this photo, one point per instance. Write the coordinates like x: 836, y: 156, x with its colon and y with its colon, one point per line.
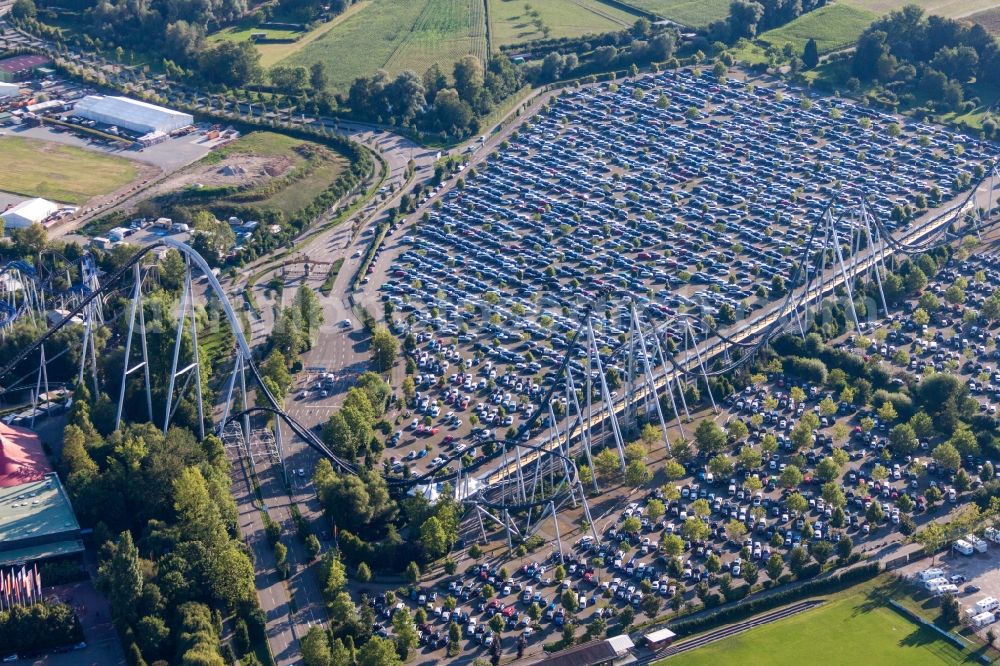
x: 443, y: 32
x: 478, y: 30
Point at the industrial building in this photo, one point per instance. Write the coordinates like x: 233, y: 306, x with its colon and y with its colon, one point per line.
x: 27, y: 213
x: 9, y: 90
x: 22, y: 67
x: 36, y: 518
x: 130, y: 114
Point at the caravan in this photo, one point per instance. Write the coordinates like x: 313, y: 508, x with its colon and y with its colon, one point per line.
x: 980, y: 620
x: 963, y: 547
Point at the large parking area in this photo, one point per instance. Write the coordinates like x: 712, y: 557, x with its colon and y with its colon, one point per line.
x: 685, y: 193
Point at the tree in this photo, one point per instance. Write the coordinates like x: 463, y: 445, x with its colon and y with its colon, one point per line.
x: 363, y: 573
x: 947, y: 456
x: 950, y: 615
x: 378, y: 651
x: 637, y: 474
x: 710, y: 438
x: 790, y: 477
x: 315, y: 648
x: 775, y: 565
x: 318, y: 77
x: 23, y: 9
x: 810, y: 54
x: 433, y: 538
x: 797, y: 559
x: 383, y: 349
x: 570, y: 601
x: 902, y: 440
x: 120, y: 576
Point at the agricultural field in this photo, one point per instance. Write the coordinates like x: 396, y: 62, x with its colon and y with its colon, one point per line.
x: 272, y: 54
x: 949, y: 8
x: 63, y: 173
x: 833, y: 27
x: 396, y: 35
x: 989, y: 19
x: 857, y: 627
x: 513, y: 22
x: 694, y: 13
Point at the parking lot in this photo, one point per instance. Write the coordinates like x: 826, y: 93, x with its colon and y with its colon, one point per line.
x: 607, y: 193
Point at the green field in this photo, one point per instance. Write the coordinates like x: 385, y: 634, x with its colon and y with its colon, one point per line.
x: 511, y: 22
x: 949, y: 8
x: 694, y: 13
x: 396, y: 35
x: 851, y: 630
x: 63, y: 173
x: 271, y: 54
x: 833, y: 27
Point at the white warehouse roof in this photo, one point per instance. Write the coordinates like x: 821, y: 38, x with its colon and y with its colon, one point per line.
x: 131, y: 114
x: 9, y: 89
x: 27, y: 213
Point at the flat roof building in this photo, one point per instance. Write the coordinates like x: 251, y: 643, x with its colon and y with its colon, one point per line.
x: 27, y: 213
x: 131, y: 114
x: 37, y: 522
x: 19, y: 68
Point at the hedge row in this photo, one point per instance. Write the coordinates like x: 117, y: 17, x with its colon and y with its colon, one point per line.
x: 761, y: 604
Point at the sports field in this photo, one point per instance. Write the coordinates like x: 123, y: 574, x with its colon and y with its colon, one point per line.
x: 833, y: 27
x: 694, y: 13
x: 396, y: 35
x: 59, y: 172
x: 848, y: 631
x: 517, y: 21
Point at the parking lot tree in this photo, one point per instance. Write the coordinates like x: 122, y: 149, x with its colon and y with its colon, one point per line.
x: 796, y: 502
x: 674, y: 470
x: 833, y: 494
x: 821, y: 551
x: 383, y: 349
x: 632, y: 525
x: 797, y: 558
x: 671, y: 544
x: 695, y: 529
x: 887, y: 412
x: 721, y: 465
x: 569, y: 601
x: 737, y: 430
x: 964, y: 441
x: 655, y: 510
x: 947, y: 456
x: 637, y: 474
x: 710, y: 438
x: 534, y: 612
x: 962, y: 481
x: 607, y: 463
x: 827, y: 469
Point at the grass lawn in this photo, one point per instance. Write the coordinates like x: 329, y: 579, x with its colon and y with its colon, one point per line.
x: 271, y: 54
x: 694, y: 13
x: 396, y: 35
x: 56, y: 171
x: 949, y: 8
x: 851, y: 628
x: 833, y: 27
x: 510, y: 22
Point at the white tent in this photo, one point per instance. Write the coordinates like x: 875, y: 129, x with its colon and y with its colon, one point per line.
x: 27, y: 213
x: 131, y: 114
